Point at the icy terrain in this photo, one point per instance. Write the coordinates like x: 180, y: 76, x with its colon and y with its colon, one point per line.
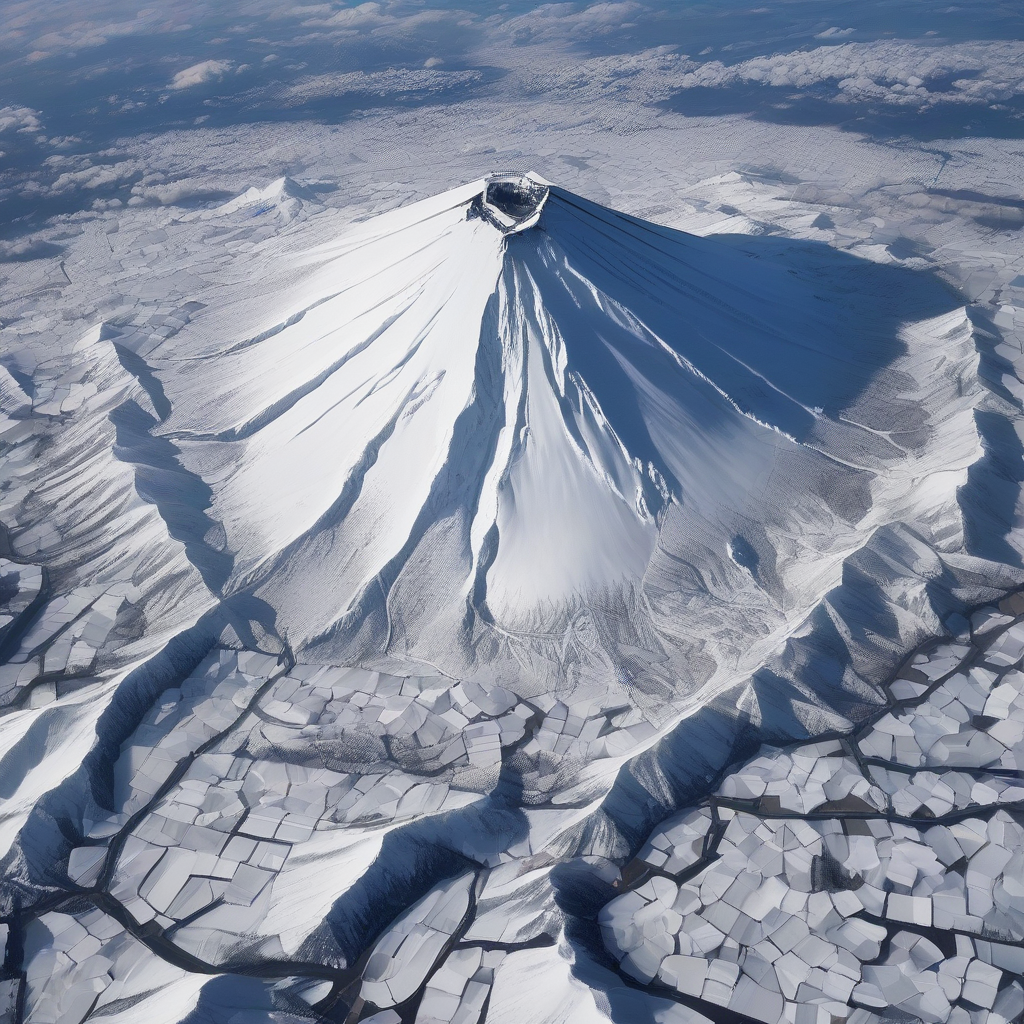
x: 364, y: 622
x: 856, y: 875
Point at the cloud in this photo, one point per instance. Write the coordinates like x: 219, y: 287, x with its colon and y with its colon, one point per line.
x: 898, y: 73
x: 165, y: 193
x: 98, y: 176
x: 835, y: 32
x: 566, y: 23
x: 24, y: 249
x: 646, y: 77
x: 76, y: 172
x: 199, y: 74
x: 387, y: 22
x: 20, y: 119
x: 364, y: 16
x: 392, y: 82
x: 43, y: 27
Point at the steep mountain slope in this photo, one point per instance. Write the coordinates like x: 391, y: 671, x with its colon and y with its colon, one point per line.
x: 472, y: 436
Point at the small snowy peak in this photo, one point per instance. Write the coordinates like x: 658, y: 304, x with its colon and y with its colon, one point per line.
x: 282, y: 196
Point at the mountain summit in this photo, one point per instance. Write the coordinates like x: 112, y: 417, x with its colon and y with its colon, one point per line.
x: 506, y: 419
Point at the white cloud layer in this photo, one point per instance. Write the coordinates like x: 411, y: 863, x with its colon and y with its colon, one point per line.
x: 199, y: 74
x: 382, y: 21
x: 390, y: 82
x: 19, y: 119
x: 43, y: 27
x: 888, y: 71
x: 564, y: 23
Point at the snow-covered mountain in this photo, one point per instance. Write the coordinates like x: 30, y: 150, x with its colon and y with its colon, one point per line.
x: 282, y: 197
x: 493, y: 419
x: 362, y: 621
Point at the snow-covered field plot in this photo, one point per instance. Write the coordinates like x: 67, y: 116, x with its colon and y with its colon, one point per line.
x: 834, y: 880
x: 373, y: 586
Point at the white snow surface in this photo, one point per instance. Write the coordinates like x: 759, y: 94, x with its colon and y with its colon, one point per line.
x: 451, y: 445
